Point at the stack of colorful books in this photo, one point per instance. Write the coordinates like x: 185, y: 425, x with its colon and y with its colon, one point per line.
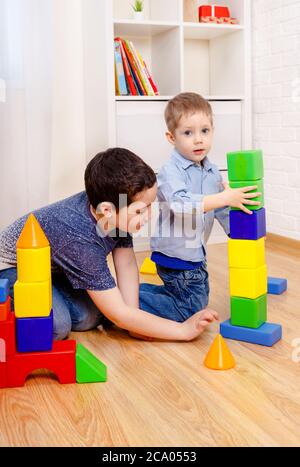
x: 132, y: 76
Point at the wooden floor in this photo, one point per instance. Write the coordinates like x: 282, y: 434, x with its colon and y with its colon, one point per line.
x: 160, y: 394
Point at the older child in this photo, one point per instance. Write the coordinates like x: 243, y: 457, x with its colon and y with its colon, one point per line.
x: 192, y: 195
x: 83, y: 230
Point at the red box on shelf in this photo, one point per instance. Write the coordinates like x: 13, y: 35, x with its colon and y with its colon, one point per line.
x: 218, y: 11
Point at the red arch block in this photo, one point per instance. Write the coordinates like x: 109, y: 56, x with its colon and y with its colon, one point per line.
x: 61, y: 361
x: 3, y: 379
x: 5, y: 309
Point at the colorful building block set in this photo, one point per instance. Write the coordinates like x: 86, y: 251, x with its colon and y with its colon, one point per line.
x: 26, y: 334
x: 246, y: 253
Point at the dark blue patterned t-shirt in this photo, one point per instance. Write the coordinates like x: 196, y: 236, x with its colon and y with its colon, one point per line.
x: 77, y: 248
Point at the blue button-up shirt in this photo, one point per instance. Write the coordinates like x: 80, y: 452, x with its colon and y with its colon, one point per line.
x: 183, y: 228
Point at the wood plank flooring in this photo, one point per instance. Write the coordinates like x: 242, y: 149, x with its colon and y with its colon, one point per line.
x: 160, y: 394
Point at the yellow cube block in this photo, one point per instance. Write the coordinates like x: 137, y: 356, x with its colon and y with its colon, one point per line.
x: 148, y: 267
x: 249, y: 254
x: 248, y: 283
x: 33, y: 264
x: 32, y: 299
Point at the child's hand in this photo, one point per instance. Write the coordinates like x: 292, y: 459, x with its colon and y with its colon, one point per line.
x: 237, y: 197
x: 196, y: 324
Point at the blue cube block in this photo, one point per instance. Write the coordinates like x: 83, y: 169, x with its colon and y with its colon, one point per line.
x: 276, y: 286
x: 4, y: 290
x: 34, y: 334
x: 268, y: 334
x: 248, y: 226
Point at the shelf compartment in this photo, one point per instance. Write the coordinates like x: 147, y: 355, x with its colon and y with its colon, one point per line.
x: 217, y: 64
x: 205, y: 31
x: 154, y: 10
x: 142, y: 28
x: 237, y: 8
x: 160, y: 53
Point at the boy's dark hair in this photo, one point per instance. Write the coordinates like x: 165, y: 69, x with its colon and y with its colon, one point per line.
x: 185, y: 103
x: 114, y: 172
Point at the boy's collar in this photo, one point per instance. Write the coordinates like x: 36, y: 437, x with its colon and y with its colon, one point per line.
x: 186, y: 163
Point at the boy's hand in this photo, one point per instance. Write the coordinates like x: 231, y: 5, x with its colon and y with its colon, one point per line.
x: 237, y: 197
x: 196, y: 324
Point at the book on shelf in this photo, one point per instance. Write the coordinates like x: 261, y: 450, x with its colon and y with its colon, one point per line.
x: 117, y: 89
x: 131, y: 61
x: 147, y: 86
x: 150, y: 79
x: 129, y: 79
x: 121, y: 86
x: 136, y: 73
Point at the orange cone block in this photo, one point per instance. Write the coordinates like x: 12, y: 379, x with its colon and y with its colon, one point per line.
x: 219, y: 356
x: 32, y: 235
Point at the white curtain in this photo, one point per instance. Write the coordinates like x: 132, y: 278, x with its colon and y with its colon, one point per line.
x: 42, y: 130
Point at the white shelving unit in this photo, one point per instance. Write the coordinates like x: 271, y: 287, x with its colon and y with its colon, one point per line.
x: 213, y: 60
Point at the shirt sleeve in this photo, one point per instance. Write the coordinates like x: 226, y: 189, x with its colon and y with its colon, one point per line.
x: 125, y: 242
x: 85, y: 265
x: 222, y: 214
x: 173, y: 190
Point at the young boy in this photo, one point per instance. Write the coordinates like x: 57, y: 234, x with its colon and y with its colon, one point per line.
x: 192, y: 195
x: 82, y: 231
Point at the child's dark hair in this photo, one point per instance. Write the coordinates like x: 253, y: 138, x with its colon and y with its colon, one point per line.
x: 114, y: 172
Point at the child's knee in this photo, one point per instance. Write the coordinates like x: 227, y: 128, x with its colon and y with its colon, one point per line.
x: 87, y: 320
x: 61, y: 329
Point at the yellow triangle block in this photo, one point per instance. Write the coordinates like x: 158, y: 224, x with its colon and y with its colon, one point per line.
x: 148, y: 267
x: 32, y: 235
x: 219, y: 356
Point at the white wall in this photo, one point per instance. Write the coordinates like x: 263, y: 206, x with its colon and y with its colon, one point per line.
x: 52, y: 117
x: 68, y: 143
x: 276, y: 80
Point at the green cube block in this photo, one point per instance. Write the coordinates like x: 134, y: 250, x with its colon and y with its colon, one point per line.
x: 249, y: 313
x: 88, y: 368
x: 260, y: 188
x: 245, y: 165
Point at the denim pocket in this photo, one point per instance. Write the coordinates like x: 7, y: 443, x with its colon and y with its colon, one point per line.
x: 196, y: 288
x: 199, y: 274
x: 173, y: 280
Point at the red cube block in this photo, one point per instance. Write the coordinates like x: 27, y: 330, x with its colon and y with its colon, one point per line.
x: 219, y: 11
x: 5, y: 309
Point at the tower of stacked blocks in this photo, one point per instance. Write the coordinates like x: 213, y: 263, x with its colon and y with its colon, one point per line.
x: 246, y: 253
x: 26, y: 334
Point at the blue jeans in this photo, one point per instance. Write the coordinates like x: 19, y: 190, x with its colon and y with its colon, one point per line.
x: 183, y: 293
x: 73, y: 310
